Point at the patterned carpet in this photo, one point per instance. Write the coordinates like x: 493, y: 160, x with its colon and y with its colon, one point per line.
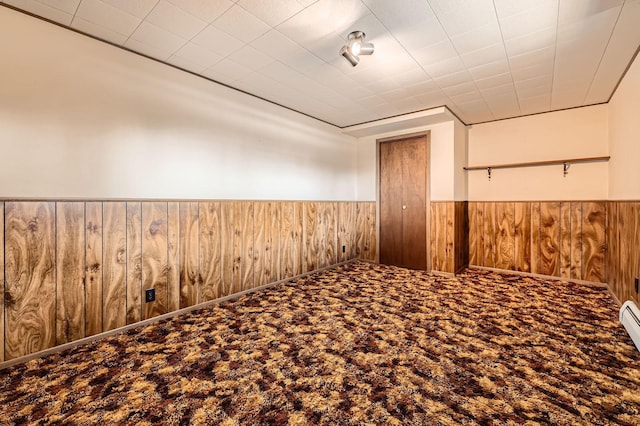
x: 358, y: 344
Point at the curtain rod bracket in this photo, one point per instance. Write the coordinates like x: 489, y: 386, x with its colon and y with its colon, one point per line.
x: 489, y: 172
x: 565, y: 169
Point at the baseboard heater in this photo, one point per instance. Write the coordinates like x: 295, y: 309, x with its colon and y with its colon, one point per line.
x: 630, y: 318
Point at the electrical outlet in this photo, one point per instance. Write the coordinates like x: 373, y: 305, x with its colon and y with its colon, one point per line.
x: 636, y: 285
x: 344, y: 249
x: 150, y: 295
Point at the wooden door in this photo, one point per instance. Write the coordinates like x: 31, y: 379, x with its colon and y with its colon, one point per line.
x: 403, y: 202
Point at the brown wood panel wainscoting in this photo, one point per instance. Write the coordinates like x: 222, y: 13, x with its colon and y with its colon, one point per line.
x: 77, y: 268
x: 623, y: 241
x: 449, y: 233
x: 596, y: 241
x: 558, y: 238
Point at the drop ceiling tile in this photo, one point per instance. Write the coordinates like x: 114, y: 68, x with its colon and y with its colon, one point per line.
x: 148, y: 50
x: 521, y: 74
x: 566, y: 98
x: 229, y: 69
x: 506, y: 8
x: 412, y: 75
x: 417, y: 37
x: 543, y: 57
x: 477, y: 110
x: 272, y: 12
x: 534, y: 87
x: 459, y: 16
x: 433, y: 99
x: 138, y: 8
x: 543, y: 17
x: 173, y: 19
x: 306, y: 3
x: 392, y: 95
x: 528, y: 91
x: 535, y: 104
x: 371, y: 26
x: 493, y: 81
x: 622, y: 45
x: 206, y: 10
x: 505, y: 100
x: 154, y: 36
x: 250, y: 58
x: 465, y: 98
x: 435, y: 53
x: 489, y: 69
x: 279, y: 72
x: 240, y: 24
x: 507, y: 89
x: 41, y: 9
x: 581, y: 45
x: 323, y: 18
x: 98, y: 31
x: 198, y: 55
x: 453, y: 79
x: 303, y: 61
x: 413, y: 13
x: 443, y: 68
x: 66, y: 6
x: 217, y: 41
x: 477, y: 38
x: 326, y: 47
x: 255, y: 79
x: 530, y: 41
x: 275, y: 44
x: 108, y: 17
x: 579, y: 10
x: 185, y: 64
x: 463, y: 88
x: 220, y: 77
x: 423, y: 87
x: 491, y: 53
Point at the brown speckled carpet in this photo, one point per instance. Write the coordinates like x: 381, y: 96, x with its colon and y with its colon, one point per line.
x: 358, y: 344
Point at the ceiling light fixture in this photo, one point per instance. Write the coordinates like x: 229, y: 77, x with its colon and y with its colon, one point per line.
x: 356, y: 47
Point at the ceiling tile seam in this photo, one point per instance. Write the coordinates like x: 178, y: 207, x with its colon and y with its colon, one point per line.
x: 458, y: 53
x: 414, y: 60
x: 604, y: 52
x: 235, y: 4
x: 506, y: 55
x: 275, y: 26
x: 555, y: 53
x: 75, y: 12
x: 200, y: 32
x: 141, y: 21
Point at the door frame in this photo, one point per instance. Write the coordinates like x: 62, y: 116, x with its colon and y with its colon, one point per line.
x: 427, y: 135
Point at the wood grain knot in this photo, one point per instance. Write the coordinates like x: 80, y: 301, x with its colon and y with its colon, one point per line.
x: 596, y: 217
x: 155, y: 227
x: 93, y: 268
x: 8, y: 299
x: 33, y: 225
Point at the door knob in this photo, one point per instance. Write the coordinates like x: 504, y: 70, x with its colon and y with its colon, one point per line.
x: 404, y: 207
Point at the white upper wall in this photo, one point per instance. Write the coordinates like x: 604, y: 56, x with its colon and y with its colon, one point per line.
x: 574, y: 133
x: 624, y: 137
x: 80, y: 118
